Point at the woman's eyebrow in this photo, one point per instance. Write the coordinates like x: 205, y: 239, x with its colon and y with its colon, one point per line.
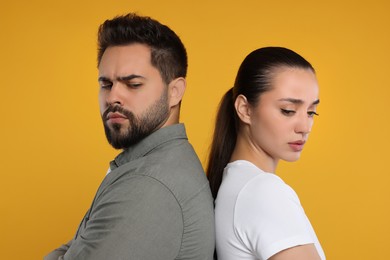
x: 292, y: 100
x: 298, y: 101
x: 316, y: 102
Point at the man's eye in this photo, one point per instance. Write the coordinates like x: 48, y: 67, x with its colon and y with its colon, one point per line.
x: 106, y: 85
x: 312, y: 113
x: 287, y: 112
x: 134, y: 85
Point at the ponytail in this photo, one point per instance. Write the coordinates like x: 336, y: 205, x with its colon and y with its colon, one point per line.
x: 223, y: 143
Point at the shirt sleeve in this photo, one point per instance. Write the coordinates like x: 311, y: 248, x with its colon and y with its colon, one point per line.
x: 58, y: 253
x: 134, y: 218
x: 269, y: 218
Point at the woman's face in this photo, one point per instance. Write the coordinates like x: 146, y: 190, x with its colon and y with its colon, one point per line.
x: 282, y: 120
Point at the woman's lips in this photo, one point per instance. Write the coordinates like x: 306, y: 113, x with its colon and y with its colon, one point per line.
x: 297, y: 146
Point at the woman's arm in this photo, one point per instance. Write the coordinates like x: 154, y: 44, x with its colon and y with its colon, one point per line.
x: 304, y: 252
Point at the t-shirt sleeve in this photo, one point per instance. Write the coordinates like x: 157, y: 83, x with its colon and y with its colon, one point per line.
x: 138, y: 218
x: 269, y: 218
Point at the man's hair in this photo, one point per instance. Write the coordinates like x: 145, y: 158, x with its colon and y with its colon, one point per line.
x: 168, y: 53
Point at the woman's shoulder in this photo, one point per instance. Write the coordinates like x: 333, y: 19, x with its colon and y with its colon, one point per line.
x: 257, y: 181
x: 266, y: 194
x: 267, y: 184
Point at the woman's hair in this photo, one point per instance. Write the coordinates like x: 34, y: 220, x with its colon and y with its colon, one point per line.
x: 254, y: 77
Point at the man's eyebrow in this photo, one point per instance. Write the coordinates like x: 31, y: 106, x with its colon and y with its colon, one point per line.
x: 124, y: 78
x: 298, y: 101
x: 129, y: 77
x: 102, y: 78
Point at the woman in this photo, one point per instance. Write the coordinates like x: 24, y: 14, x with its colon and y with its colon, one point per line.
x: 266, y: 117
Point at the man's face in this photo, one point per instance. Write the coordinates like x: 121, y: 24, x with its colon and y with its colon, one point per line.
x: 133, y: 97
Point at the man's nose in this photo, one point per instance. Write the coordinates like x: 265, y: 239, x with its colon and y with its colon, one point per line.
x: 115, y: 96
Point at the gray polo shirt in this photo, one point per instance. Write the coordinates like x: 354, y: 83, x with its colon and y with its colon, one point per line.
x: 155, y: 204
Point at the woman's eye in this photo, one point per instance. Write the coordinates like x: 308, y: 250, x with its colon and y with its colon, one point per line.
x: 312, y: 113
x: 287, y: 112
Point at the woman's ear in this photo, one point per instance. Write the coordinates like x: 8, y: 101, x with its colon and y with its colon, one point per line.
x: 176, y: 89
x: 243, y: 109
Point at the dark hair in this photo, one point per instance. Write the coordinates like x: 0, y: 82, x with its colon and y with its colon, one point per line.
x: 168, y: 53
x: 254, y: 77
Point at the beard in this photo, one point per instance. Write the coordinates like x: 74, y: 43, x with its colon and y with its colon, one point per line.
x: 139, y: 127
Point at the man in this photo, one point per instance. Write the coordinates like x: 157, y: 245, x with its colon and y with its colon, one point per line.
x: 155, y: 202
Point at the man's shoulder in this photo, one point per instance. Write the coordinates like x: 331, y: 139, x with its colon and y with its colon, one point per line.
x: 174, y: 165
x: 178, y: 167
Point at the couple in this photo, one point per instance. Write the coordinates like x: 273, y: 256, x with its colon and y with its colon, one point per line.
x: 155, y: 201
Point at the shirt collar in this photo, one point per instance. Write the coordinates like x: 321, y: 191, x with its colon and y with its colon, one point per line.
x: 146, y: 145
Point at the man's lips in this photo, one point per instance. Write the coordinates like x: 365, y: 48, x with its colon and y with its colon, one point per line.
x: 115, y: 117
x: 297, y: 146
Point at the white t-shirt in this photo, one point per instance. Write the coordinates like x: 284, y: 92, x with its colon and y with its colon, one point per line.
x: 258, y: 215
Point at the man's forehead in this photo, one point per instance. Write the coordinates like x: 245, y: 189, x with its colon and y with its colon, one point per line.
x: 124, y: 61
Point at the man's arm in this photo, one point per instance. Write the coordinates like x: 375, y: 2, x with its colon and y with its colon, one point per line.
x: 59, y: 252
x: 134, y: 218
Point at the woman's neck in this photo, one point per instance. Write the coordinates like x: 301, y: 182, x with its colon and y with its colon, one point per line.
x: 247, y: 150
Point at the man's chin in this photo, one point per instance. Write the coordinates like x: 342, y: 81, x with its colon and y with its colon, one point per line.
x: 116, y: 127
x: 118, y: 142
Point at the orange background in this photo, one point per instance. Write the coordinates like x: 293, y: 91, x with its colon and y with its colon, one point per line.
x: 54, y: 153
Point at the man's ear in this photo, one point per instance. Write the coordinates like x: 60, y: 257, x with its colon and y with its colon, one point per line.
x: 243, y: 109
x: 176, y: 91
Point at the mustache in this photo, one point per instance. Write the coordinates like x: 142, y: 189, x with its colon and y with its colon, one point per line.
x: 117, y: 108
